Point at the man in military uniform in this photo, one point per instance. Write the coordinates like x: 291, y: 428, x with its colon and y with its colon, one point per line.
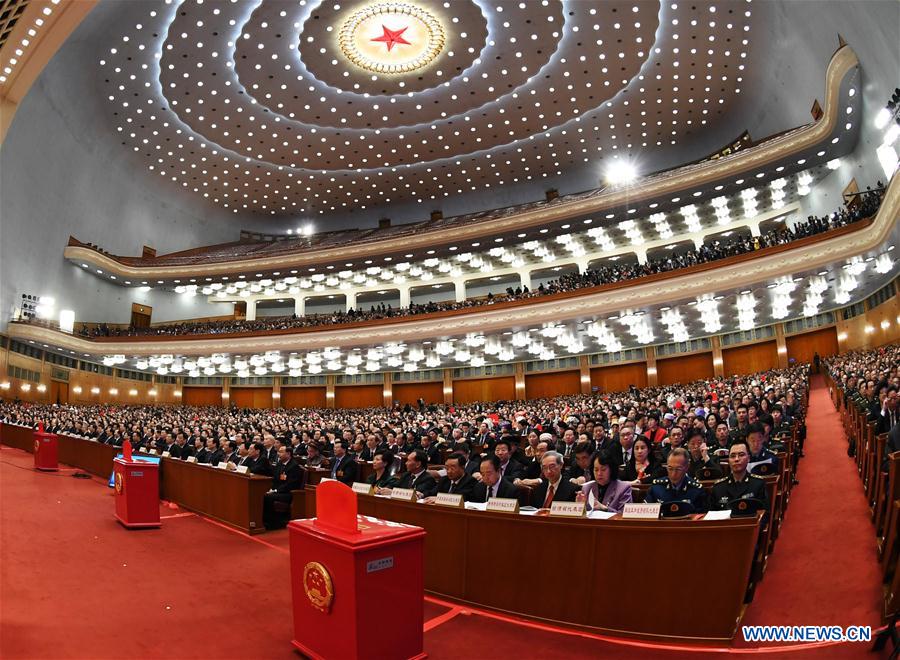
x: 678, y: 486
x: 740, y: 484
x: 780, y: 425
x: 759, y: 454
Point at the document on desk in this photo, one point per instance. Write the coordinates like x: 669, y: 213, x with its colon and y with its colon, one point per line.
x: 601, y: 515
x: 476, y: 506
x: 718, y: 515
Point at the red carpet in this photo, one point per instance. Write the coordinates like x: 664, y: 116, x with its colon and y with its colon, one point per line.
x: 74, y: 584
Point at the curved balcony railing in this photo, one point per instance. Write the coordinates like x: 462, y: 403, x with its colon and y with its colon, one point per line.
x: 495, y: 304
x: 592, y: 280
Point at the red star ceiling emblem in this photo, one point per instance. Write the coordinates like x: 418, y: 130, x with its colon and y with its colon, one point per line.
x: 392, y: 37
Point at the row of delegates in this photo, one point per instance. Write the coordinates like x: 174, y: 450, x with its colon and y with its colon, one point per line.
x: 871, y: 380
x: 679, y: 486
x: 394, y: 423
x: 574, y: 419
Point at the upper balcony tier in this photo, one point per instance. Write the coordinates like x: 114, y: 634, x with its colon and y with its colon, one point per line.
x: 822, y: 271
x: 668, y: 193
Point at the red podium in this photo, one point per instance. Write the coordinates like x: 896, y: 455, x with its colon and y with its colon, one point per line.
x: 345, y: 570
x: 45, y: 451
x: 137, y: 493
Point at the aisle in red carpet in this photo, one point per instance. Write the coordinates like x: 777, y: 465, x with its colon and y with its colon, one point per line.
x: 824, y: 569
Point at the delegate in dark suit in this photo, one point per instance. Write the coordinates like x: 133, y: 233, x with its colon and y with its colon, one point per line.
x: 464, y: 486
x: 258, y: 465
x: 287, y: 477
x: 503, y: 488
x: 215, y: 456
x: 565, y: 492
x: 345, y: 469
x: 181, y: 451
x: 512, y: 470
x: 892, y: 445
x: 423, y: 483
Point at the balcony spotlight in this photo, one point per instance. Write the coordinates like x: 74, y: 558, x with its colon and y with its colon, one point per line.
x: 621, y: 173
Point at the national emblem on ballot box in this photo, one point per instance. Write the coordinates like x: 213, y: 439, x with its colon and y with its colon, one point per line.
x: 318, y: 586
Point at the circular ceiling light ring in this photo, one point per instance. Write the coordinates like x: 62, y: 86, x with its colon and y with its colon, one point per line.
x: 361, y: 48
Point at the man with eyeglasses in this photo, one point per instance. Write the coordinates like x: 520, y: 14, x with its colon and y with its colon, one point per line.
x: 678, y: 486
x: 740, y: 484
x: 553, y: 488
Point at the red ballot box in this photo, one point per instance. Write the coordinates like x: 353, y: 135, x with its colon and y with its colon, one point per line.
x: 45, y: 451
x: 137, y: 493
x: 343, y: 577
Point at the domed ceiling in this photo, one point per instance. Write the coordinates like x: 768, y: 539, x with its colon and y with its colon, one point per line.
x: 306, y: 107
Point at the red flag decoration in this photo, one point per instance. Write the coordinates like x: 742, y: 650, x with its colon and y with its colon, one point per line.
x: 126, y: 449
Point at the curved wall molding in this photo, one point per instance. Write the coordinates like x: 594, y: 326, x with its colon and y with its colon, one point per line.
x: 56, y: 28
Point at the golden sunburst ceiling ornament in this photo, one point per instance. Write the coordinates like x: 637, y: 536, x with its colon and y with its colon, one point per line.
x: 391, y: 38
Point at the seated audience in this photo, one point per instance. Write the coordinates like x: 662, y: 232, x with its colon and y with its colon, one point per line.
x: 605, y: 492
x: 343, y: 466
x: 762, y: 460
x: 288, y: 477
x: 739, y: 484
x: 456, y: 481
x: 491, y: 485
x: 416, y: 476
x: 644, y: 465
x: 703, y: 466
x: 569, y: 420
x: 553, y: 487
x: 678, y: 486
x: 382, y: 464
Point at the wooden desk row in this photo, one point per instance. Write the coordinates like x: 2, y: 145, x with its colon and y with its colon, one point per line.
x: 229, y: 497
x: 620, y: 577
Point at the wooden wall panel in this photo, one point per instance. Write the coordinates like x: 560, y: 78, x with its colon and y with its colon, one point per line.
x: 684, y: 369
x: 544, y: 386
x: 620, y: 377
x: 502, y: 388
x: 202, y: 396
x: 359, y: 396
x: 802, y: 347
x: 83, y: 380
x: 251, y: 397
x: 59, y: 392
x: 853, y: 334
x: 303, y: 397
x: 404, y: 393
x: 750, y: 359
